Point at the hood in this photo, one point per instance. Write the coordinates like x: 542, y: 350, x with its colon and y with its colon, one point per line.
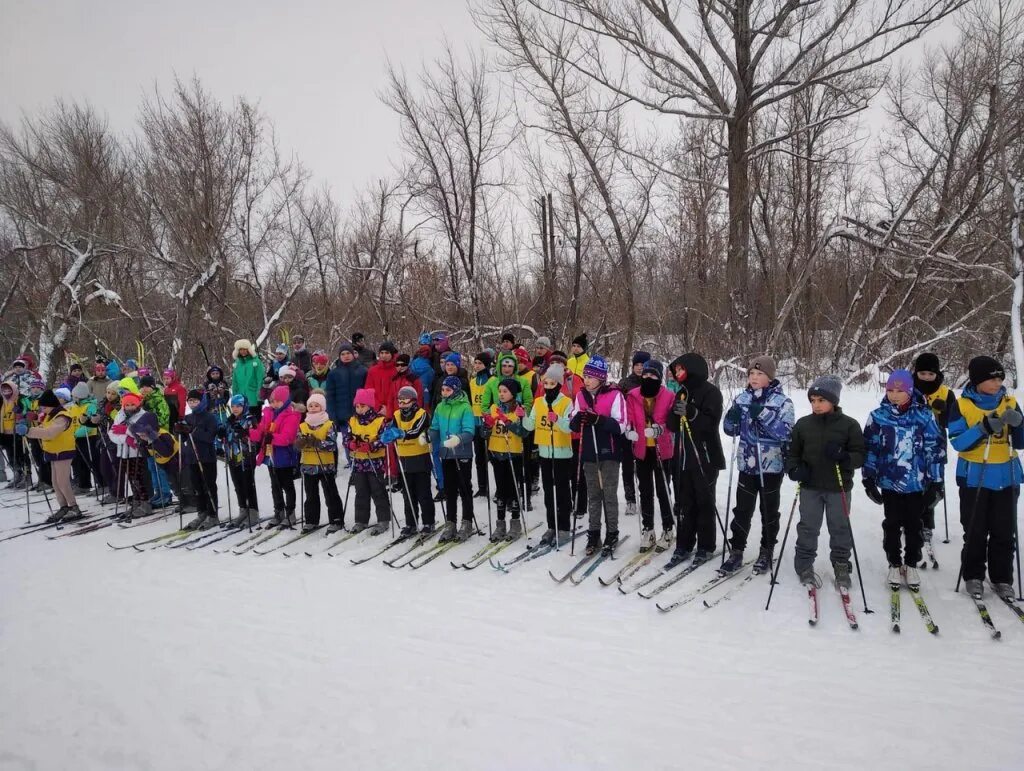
x: 984, y: 401
x: 113, y: 370
x: 696, y: 369
x: 211, y: 370
x: 503, y: 357
x: 128, y: 384
x: 14, y: 386
x: 455, y: 398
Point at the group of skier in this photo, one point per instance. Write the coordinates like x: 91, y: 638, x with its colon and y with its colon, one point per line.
x: 545, y: 422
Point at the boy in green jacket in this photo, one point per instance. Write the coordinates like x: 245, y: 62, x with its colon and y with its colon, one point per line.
x: 824, y: 446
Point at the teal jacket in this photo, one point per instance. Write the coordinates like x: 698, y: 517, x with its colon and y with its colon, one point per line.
x: 453, y: 417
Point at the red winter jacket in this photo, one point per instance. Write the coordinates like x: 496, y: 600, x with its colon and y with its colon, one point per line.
x: 381, y: 378
x: 638, y: 421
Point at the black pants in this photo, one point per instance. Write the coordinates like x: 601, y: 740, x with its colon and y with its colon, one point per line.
x: 928, y: 512
x: 508, y: 471
x: 311, y: 507
x: 555, y: 475
x: 243, y: 479
x: 136, y: 476
x: 902, y: 514
x: 418, y: 496
x: 578, y: 482
x: 85, y: 465
x: 282, y: 488
x: 370, y: 486
x: 628, y: 474
x: 204, y: 482
x: 480, y: 459
x: 989, y: 533
x: 747, y: 491
x: 42, y: 467
x: 653, y: 478
x: 14, y: 449
x: 697, y: 508
x: 531, y: 461
x: 458, y: 480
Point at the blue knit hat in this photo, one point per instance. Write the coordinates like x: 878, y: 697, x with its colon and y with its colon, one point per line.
x: 453, y: 357
x: 239, y: 400
x: 453, y: 383
x: 654, y: 366
x: 425, y: 339
x: 597, y: 367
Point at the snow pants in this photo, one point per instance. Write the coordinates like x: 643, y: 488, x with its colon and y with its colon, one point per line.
x: 243, y: 479
x: 816, y: 505
x: 629, y: 475
x: 508, y: 473
x: 555, y: 474
x: 311, y: 507
x: 698, y: 512
x: 902, y: 514
x: 458, y: 484
x: 418, y: 495
x: 282, y: 488
x: 370, y: 486
x: 483, y: 484
x: 204, y: 482
x: 987, y: 517
x: 603, y: 492
x: 652, y: 478
x: 748, y: 489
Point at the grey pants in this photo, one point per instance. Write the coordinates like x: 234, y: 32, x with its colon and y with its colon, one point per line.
x: 814, y: 505
x: 609, y: 482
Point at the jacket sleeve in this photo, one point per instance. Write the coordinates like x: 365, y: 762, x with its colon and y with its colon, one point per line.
x: 871, y: 437
x: 706, y: 418
x: 732, y: 427
x: 435, y: 427
x: 855, y: 444
x: 467, y: 426
x: 530, y: 418
x: 562, y: 424
x: 615, y: 423
x: 776, y: 424
x: 796, y: 448
x: 934, y: 447
x: 488, y: 397
x: 962, y: 436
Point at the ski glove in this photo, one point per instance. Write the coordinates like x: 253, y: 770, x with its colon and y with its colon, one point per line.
x: 552, y: 417
x: 653, y: 432
x: 734, y: 414
x: 1012, y: 418
x: 835, y: 452
x: 21, y: 428
x: 755, y: 410
x: 391, y: 434
x: 588, y: 418
x: 992, y: 424
x: 939, y: 406
x: 632, y: 435
x: 422, y: 439
x: 679, y: 408
x: 800, y: 473
x: 872, y: 491
x: 452, y: 442
x: 520, y: 412
x: 182, y: 427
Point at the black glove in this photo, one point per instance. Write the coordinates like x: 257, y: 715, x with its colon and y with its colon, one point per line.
x: 679, y: 408
x: 835, y: 452
x: 588, y: 418
x: 992, y: 424
x: 734, y: 414
x: 181, y: 427
x: 800, y: 473
x: 873, y: 493
x: 755, y: 410
x: 939, y: 405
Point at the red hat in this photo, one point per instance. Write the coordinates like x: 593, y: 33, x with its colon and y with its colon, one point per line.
x: 131, y: 399
x: 522, y: 357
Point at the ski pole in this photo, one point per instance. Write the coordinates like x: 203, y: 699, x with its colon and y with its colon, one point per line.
x: 600, y: 478
x: 974, y: 511
x: 728, y: 493
x: 945, y: 512
x: 515, y: 483
x: 39, y: 473
x: 782, y: 549
x: 700, y: 466
x: 853, y: 543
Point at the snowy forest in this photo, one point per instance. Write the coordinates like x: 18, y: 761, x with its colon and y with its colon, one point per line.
x: 823, y: 181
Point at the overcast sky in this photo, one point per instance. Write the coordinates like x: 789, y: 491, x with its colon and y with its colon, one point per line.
x: 314, y: 67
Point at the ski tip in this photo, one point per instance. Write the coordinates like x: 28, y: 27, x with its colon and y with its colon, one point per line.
x: 934, y: 630
x: 812, y: 621
x: 896, y: 628
x: 997, y: 635
x: 705, y: 603
x: 308, y: 554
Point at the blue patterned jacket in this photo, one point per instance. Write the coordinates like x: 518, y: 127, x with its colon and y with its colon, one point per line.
x: 763, y: 438
x: 906, y: 450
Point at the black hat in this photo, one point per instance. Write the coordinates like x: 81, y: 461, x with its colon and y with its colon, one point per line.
x: 388, y: 346
x: 49, y: 399
x: 927, y: 362
x: 982, y: 368
x: 654, y: 366
x: 75, y: 366
x: 485, y: 358
x: 581, y: 341
x: 512, y: 385
x: 147, y: 381
x: 358, y: 337
x: 195, y: 393
x: 508, y: 336
x: 640, y: 357
x: 402, y: 358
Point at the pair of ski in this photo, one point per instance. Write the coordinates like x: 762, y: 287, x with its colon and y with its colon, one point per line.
x: 751, y: 575
x: 85, y: 522
x: 423, y: 552
x: 678, y: 574
x: 922, y: 608
x: 986, y: 617
x: 716, y: 580
x: 492, y: 549
x: 929, y: 557
x: 531, y: 552
x: 595, y: 561
x: 844, y: 597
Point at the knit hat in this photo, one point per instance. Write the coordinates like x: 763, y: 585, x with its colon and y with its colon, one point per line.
x: 558, y: 356
x: 281, y: 348
x: 64, y: 394
x: 319, y: 358
x: 641, y: 357
x: 196, y: 394
x: 763, y: 363
x: 367, y: 396
x: 75, y: 366
x: 581, y: 341
x: 407, y: 392
x: 522, y: 357
x: 170, y: 373
x: 128, y: 400
x: 452, y: 382
x: 388, y: 346
x: 597, y: 367
x: 827, y: 387
x: 281, y: 394
x: 653, y: 366
x: 543, y: 342
x: 555, y: 372
x: 512, y: 385
x: 402, y: 358
x: 346, y: 347
x: 484, y: 358
x: 424, y: 339
x: 982, y: 368
x: 509, y: 337
x: 147, y: 381
x: 298, y: 339
x: 239, y: 400
x: 130, y: 364
x: 357, y: 337
x: 80, y: 391
x: 900, y: 380
x: 538, y: 362
x: 453, y: 357
x: 286, y: 371
x: 36, y: 383
x: 927, y: 362
x: 317, y: 398
x: 143, y: 371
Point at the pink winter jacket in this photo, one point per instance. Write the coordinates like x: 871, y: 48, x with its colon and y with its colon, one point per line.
x: 282, y: 430
x: 638, y: 421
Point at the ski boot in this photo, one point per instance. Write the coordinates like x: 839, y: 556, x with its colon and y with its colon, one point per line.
x: 1003, y: 591
x: 408, y: 531
x: 842, y: 571
x: 73, y: 514
x: 308, y: 528
x: 647, y: 539
x: 380, y: 527
x: 359, y: 527
x: 439, y: 497
x: 548, y: 538
x: 763, y: 563
x: 57, y: 516
x: 701, y: 556
x: 196, y: 523
x: 209, y: 521
x: 679, y: 556
x: 427, y: 529
x: 912, y: 577
x: 668, y: 537
x: 335, y: 527
x: 611, y: 540
x: 732, y: 563
x: 630, y: 508
x: 447, y: 533
x: 593, y: 542
x: 809, y: 578
x: 481, y: 493
x: 500, y: 531
x: 276, y: 520
x: 974, y: 587
x: 895, y: 575
x: 467, y: 531
x: 289, y: 519
x: 515, y: 529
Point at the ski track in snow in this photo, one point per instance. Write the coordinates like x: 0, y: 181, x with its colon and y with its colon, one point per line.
x: 173, y: 659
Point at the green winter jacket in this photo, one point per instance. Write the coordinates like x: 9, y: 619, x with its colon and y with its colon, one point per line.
x: 490, y: 395
x: 807, y: 445
x: 453, y: 417
x: 157, y: 404
x: 89, y: 409
x: 246, y: 378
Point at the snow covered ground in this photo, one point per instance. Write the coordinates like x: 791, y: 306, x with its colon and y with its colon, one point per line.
x: 172, y: 659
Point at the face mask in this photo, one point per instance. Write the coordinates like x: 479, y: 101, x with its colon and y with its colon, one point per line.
x: 649, y: 387
x: 927, y: 387
x: 552, y: 393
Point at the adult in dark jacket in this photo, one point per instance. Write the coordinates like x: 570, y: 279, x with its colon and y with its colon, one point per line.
x: 697, y: 456
x: 366, y: 357
x: 301, y: 357
x: 347, y: 376
x: 198, y: 430
x: 627, y: 384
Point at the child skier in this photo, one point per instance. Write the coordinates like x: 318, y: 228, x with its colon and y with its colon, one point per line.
x: 318, y: 442
x: 412, y: 445
x: 549, y: 420
x: 198, y: 430
x: 56, y: 432
x: 368, y: 463
x: 600, y: 420
x: 904, y: 448
x: 275, y: 436
x: 648, y: 412
x: 451, y: 430
x: 928, y: 379
x: 824, y: 446
x: 502, y: 426
x: 477, y: 385
x: 13, y: 410
x: 985, y: 429
x: 241, y: 457
x: 762, y: 417
x: 627, y: 384
x: 130, y: 422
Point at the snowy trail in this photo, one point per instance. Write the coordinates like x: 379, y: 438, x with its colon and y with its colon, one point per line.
x: 172, y: 659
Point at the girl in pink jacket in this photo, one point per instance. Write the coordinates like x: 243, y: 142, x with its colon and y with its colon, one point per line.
x: 275, y: 436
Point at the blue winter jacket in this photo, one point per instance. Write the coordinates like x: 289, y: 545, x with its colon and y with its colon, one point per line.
x: 905, y: 449
x: 991, y: 475
x: 763, y: 440
x: 340, y: 390
x: 424, y: 370
x: 453, y: 417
